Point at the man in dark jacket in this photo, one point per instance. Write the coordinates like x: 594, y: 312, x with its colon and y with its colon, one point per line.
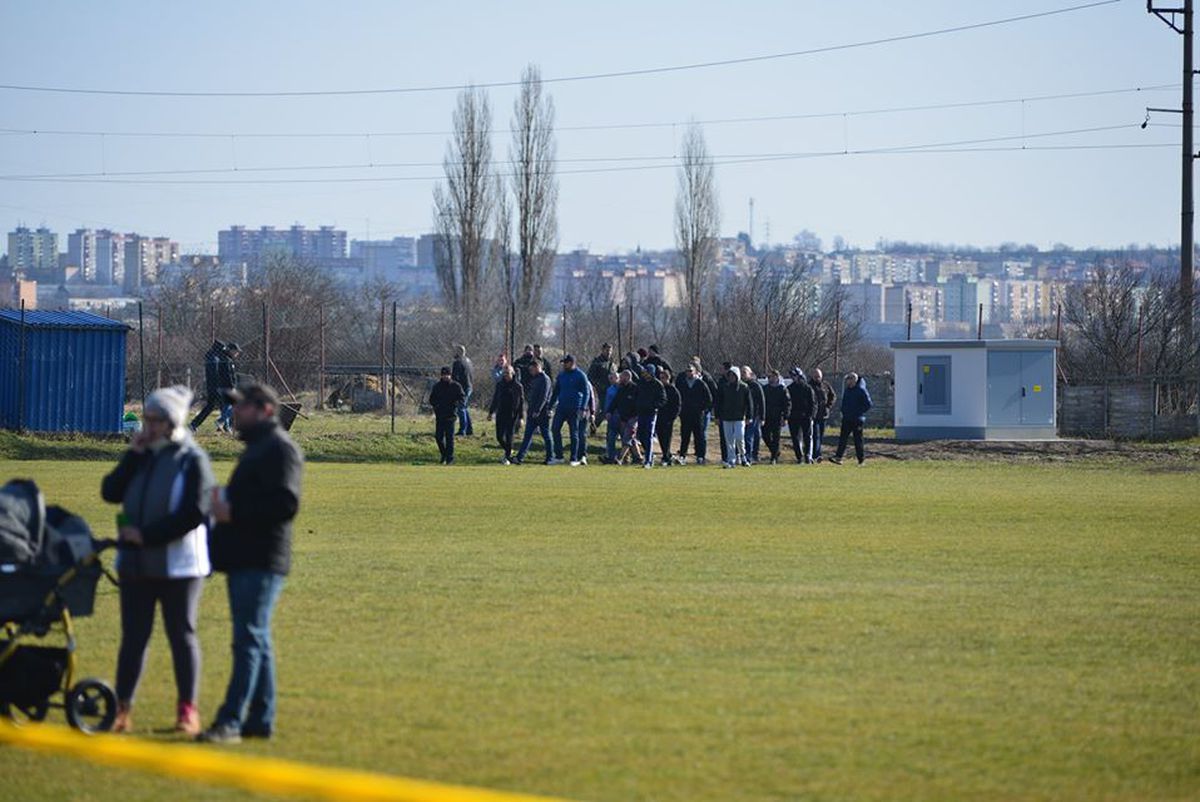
x: 856, y: 403
x: 777, y: 405
x: 522, y: 364
x: 754, y: 422
x: 252, y: 545
x: 508, y: 403
x: 718, y: 393
x: 446, y: 398
x: 804, y: 406
x: 650, y: 398
x: 598, y: 371
x: 653, y: 357
x: 227, y: 378
x: 212, y: 382
x: 540, y: 357
x: 733, y: 407
x: 667, y: 416
x: 625, y: 405
x: 825, y: 397
x: 695, y: 404
x: 537, y: 416
x: 463, y: 373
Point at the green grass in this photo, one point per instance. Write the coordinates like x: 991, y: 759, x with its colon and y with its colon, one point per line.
x: 918, y: 630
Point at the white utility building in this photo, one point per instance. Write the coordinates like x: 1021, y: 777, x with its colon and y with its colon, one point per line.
x: 975, y: 389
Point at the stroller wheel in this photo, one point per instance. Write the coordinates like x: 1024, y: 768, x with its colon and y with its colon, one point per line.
x: 21, y: 714
x: 91, y: 706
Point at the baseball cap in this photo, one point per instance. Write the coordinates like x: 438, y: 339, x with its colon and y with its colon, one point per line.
x: 446, y: 371
x: 254, y: 392
x: 567, y: 358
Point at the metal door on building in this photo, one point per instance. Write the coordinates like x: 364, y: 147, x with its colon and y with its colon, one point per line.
x: 1020, y: 388
x: 933, y: 385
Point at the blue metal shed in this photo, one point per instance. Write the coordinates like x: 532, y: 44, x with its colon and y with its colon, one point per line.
x: 61, y: 371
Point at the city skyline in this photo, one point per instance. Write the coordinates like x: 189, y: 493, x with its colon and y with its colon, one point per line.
x: 1099, y: 196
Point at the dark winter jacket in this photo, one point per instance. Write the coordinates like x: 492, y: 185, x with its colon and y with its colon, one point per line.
x: 777, y: 403
x: 508, y: 399
x: 804, y: 404
x: 708, y: 379
x: 227, y: 375
x: 166, y: 494
x: 212, y: 367
x: 658, y: 362
x: 650, y: 396
x: 670, y: 410
x: 598, y: 371
x: 522, y: 364
x: 694, y: 400
x: 625, y: 404
x: 734, y: 402
x: 756, y: 400
x: 462, y: 371
x: 446, y: 397
x: 537, y: 396
x: 856, y: 402
x: 264, y: 497
x: 825, y: 398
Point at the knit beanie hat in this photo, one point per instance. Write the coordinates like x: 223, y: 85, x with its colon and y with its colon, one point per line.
x: 170, y: 402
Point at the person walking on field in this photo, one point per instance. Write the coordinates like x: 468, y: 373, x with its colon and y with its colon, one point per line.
x: 612, y: 421
x: 653, y: 357
x: 732, y: 409
x: 212, y: 383
x: 573, y: 396
x: 651, y: 397
x: 462, y: 372
x: 801, y: 420
x: 537, y: 354
x: 825, y: 399
x: 163, y: 484
x: 597, y: 373
x: 537, y: 416
x: 695, y: 405
x: 856, y: 403
x: 625, y: 405
x: 777, y: 406
x: 446, y: 398
x: 252, y: 545
x: 522, y: 364
x: 508, y: 403
x: 754, y: 424
x: 667, y: 417
x: 718, y: 394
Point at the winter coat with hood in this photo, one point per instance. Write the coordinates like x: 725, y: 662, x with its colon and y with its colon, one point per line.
x: 777, y: 402
x: 508, y: 399
x: 757, y: 401
x: 825, y: 398
x: 670, y: 410
x: 213, y: 358
x: 734, y: 402
x: 695, y: 397
x: 804, y: 404
x: 856, y: 402
x: 446, y: 397
x: 650, y: 397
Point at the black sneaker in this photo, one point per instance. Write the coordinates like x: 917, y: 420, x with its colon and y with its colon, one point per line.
x: 227, y: 733
x: 835, y: 460
x: 262, y: 733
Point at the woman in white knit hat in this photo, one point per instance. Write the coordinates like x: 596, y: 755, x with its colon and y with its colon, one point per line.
x: 163, y: 483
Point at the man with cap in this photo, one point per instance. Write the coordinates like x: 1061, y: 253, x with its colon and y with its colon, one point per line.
x: 651, y: 397
x: 212, y: 383
x: 655, y: 358
x: 573, y: 396
x: 446, y: 398
x: 800, y: 419
x: 538, y: 402
x: 252, y: 545
x: 463, y: 373
x: 825, y: 399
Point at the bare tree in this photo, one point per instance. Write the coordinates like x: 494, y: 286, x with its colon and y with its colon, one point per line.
x: 535, y: 188
x: 697, y: 215
x: 463, y: 208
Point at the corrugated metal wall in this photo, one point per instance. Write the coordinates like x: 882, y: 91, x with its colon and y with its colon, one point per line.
x: 74, y: 377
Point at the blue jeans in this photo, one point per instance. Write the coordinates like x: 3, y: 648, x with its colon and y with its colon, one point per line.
x: 226, y: 416
x: 817, y: 436
x: 538, y: 424
x: 574, y: 421
x: 612, y: 434
x: 250, y: 698
x: 464, y: 416
x: 646, y: 436
x: 753, y: 438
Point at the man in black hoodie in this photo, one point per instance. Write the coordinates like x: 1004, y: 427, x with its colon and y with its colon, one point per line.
x: 508, y: 402
x: 825, y: 398
x: 804, y: 406
x: 651, y: 397
x: 695, y: 404
x: 252, y: 545
x: 777, y: 405
x: 446, y: 398
x: 667, y: 416
x: 213, y: 358
x: 537, y: 411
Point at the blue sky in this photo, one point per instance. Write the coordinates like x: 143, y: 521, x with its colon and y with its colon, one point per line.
x: 1103, y: 197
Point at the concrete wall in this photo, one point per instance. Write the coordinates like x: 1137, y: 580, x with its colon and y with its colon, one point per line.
x: 1144, y: 409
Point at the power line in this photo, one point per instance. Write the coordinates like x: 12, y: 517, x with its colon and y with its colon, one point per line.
x: 574, y: 78
x: 599, y: 126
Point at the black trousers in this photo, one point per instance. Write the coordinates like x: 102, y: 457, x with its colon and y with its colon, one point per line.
x: 801, y: 431
x: 692, y: 426
x: 506, y: 427
x: 772, y: 434
x: 180, y: 602
x: 666, y: 430
x: 443, y: 432
x: 213, y: 401
x: 855, y: 428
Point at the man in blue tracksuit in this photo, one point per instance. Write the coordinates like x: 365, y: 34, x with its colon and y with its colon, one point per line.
x: 856, y: 402
x: 537, y: 411
x: 573, y: 395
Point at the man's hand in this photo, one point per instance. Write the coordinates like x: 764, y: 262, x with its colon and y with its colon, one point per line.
x: 222, y: 512
x: 131, y: 535
x: 139, y: 441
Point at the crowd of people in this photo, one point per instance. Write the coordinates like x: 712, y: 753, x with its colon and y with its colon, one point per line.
x: 639, y: 400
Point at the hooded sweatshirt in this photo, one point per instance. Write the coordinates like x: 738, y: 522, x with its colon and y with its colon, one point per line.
x: 856, y: 402
x: 734, y: 401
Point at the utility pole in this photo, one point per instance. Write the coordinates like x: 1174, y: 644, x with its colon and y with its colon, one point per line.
x: 1186, y: 275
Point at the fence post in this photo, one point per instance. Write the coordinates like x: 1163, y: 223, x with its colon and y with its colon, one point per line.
x: 564, y: 329
x: 392, y: 383
x: 512, y: 331
x: 837, y: 334
x: 382, y: 341
x: 697, y: 354
x: 979, y: 330
x: 212, y: 323
x: 266, y: 324
x: 620, y: 351
x: 908, y: 334
x: 321, y: 365
x: 1141, y: 322
x: 158, y: 376
x: 142, y: 353
x: 766, y: 336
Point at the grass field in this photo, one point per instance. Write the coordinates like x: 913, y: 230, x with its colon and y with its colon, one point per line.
x: 908, y: 630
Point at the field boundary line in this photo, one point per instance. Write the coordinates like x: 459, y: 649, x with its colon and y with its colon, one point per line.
x: 249, y: 772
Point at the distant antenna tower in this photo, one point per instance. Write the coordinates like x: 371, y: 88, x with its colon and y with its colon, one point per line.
x: 750, y: 233
x: 767, y: 233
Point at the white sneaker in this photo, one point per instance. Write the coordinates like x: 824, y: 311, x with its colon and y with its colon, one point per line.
x: 505, y: 461
x: 701, y: 460
x: 574, y: 463
x: 583, y: 460
x: 647, y: 465
x: 726, y: 465
x: 745, y: 463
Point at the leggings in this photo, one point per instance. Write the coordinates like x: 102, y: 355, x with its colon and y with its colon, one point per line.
x: 180, y: 601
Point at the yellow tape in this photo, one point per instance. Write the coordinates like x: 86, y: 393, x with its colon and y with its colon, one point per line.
x: 253, y: 773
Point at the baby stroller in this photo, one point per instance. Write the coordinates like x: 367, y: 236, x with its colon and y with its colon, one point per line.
x: 49, y: 568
